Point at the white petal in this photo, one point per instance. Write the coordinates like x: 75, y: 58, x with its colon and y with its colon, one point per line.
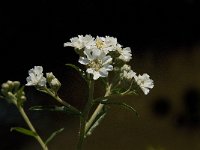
x: 95, y: 53
x: 103, y: 72
x: 96, y: 75
x: 68, y: 44
x: 88, y: 52
x: 90, y: 70
x: 83, y: 60
x: 42, y: 81
x: 106, y: 60
x: 109, y: 68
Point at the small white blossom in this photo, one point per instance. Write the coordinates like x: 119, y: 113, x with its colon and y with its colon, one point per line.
x: 126, y: 67
x: 36, y: 77
x: 81, y: 42
x: 106, y: 44
x: 97, y: 62
x: 126, y: 72
x: 125, y: 54
x: 111, y: 41
x: 144, y: 82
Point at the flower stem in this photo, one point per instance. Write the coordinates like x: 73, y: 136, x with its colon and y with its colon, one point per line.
x: 38, y: 138
x: 61, y: 101
x: 97, y: 111
x: 85, y: 115
x: 81, y: 133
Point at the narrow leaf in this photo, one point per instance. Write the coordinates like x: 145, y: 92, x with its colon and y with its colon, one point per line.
x: 55, y: 108
x: 53, y: 135
x: 24, y: 131
x: 95, y: 124
x: 120, y: 104
x: 80, y: 71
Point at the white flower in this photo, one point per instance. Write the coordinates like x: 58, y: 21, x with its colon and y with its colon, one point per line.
x: 126, y: 67
x: 106, y: 44
x: 144, y: 82
x: 36, y: 77
x: 110, y: 41
x: 125, y: 54
x: 97, y: 62
x: 126, y: 72
x: 81, y: 42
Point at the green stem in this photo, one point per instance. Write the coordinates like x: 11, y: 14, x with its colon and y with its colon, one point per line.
x: 85, y: 115
x: 81, y: 133
x: 97, y: 111
x: 38, y: 138
x: 61, y: 101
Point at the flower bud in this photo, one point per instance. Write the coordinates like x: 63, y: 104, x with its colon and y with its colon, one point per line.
x: 53, y: 82
x: 23, y: 98
x: 5, y: 87
x: 49, y: 77
x: 16, y: 85
x: 10, y: 83
x: 11, y: 92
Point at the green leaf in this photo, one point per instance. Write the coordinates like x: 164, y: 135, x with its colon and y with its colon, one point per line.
x: 120, y: 104
x: 55, y: 108
x: 53, y: 135
x: 80, y: 71
x: 24, y: 131
x: 95, y: 124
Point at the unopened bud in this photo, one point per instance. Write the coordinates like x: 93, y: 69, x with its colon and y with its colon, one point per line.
x: 4, y: 89
x: 49, y: 77
x: 10, y: 83
x: 23, y: 98
x: 16, y: 83
x: 55, y: 84
x: 5, y: 86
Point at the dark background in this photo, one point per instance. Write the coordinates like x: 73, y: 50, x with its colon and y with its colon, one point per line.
x: 164, y: 37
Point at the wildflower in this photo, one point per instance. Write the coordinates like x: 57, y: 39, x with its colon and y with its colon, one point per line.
x: 13, y: 93
x: 144, y: 82
x: 126, y: 72
x: 106, y: 44
x: 36, y: 77
x: 111, y: 41
x: 97, y: 62
x: 125, y: 54
x: 81, y: 42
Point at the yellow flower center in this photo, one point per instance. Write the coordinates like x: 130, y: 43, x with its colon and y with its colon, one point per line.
x: 96, y: 64
x: 99, y: 43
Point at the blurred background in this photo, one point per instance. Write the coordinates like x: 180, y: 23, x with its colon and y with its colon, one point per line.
x: 165, y: 40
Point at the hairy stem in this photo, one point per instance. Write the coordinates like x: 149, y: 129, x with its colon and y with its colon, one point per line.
x: 85, y: 115
x: 97, y: 111
x: 61, y: 101
x: 38, y: 138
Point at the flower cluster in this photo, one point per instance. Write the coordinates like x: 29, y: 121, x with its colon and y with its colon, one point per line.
x: 99, y: 54
x: 13, y: 92
x: 102, y: 55
x: 37, y: 79
x: 103, y: 58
